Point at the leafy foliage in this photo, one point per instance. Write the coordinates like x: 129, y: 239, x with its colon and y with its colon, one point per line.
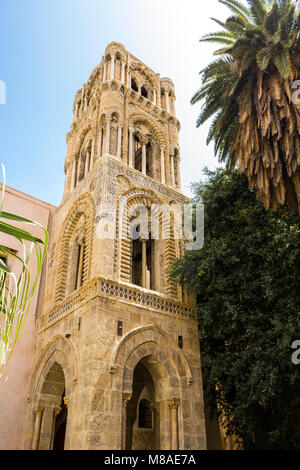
x: 17, y: 287
x: 246, y: 280
x: 248, y: 92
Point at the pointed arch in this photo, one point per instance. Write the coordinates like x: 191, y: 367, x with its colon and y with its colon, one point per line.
x: 157, y: 131
x: 61, y: 351
x: 84, y: 206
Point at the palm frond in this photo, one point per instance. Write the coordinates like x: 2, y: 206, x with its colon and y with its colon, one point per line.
x: 17, y: 287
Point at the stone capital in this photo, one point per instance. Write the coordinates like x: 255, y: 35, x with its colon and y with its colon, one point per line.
x: 126, y: 398
x: 173, y: 403
x: 66, y: 402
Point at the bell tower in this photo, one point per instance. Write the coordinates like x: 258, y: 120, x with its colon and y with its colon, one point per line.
x: 117, y: 356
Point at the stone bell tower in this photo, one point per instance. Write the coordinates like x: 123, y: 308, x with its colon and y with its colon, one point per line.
x: 117, y: 355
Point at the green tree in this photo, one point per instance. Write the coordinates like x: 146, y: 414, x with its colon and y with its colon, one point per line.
x: 246, y: 280
x: 249, y: 92
x: 17, y: 287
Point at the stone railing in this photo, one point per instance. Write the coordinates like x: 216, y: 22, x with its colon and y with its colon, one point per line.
x: 127, y: 293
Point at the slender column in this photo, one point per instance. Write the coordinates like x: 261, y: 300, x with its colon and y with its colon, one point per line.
x: 130, y: 151
x: 69, y: 178
x: 126, y: 398
x: 167, y: 101
x: 37, y: 426
x: 119, y: 149
x: 144, y: 159
x: 105, y: 72
x: 173, y: 107
x: 100, y: 142
x: 107, y: 141
x: 80, y: 266
x: 76, y: 111
x: 66, y: 186
x: 173, y: 405
x: 123, y: 73
x: 46, y: 428
x: 56, y: 411
x: 73, y: 177
x: 159, y: 97
x: 112, y: 68
x: 155, y: 97
x: 92, y: 154
x: 162, y: 166
x: 87, y: 163
x: 172, y: 171
x: 78, y: 169
x: 144, y: 263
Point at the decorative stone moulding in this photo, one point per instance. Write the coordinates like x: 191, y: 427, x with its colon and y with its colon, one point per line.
x: 127, y: 293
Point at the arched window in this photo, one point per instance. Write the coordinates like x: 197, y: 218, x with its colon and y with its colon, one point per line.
x: 145, y: 414
x: 142, y: 251
x: 144, y: 92
x: 75, y: 248
x: 142, y: 254
x: 134, y: 85
x: 79, y: 265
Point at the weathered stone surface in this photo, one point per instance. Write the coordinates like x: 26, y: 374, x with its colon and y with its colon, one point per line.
x: 122, y: 339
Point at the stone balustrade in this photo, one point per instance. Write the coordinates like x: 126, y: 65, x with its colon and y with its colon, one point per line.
x: 127, y: 293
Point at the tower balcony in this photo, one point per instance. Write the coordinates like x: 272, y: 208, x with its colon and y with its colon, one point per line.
x: 117, y: 293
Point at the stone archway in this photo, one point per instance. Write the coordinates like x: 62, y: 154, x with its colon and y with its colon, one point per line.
x: 50, y: 427
x: 51, y: 391
x: 142, y: 420
x: 165, y: 363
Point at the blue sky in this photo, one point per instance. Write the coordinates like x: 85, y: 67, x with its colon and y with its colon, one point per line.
x: 48, y: 49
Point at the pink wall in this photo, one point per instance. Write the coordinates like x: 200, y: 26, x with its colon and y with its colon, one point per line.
x: 15, y: 380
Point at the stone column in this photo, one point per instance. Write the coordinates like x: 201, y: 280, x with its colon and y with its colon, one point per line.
x: 104, y: 72
x: 100, y: 142
x: 66, y: 186
x: 80, y: 265
x: 144, y: 263
x: 92, y: 154
x: 107, y: 139
x: 144, y: 159
x: 73, y: 176
x: 125, y: 399
x: 129, y: 78
x: 130, y: 148
x: 167, y: 101
x: 119, y: 148
x: 46, y: 428
x: 123, y: 73
x: 155, y: 97
x: 159, y: 96
x: 56, y: 410
x: 172, y: 171
x: 78, y: 161
x: 173, y: 405
x: 162, y: 166
x: 87, y: 163
x: 37, y: 426
x: 112, y: 67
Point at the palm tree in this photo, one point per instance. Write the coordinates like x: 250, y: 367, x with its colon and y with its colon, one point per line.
x: 17, y: 287
x: 248, y: 90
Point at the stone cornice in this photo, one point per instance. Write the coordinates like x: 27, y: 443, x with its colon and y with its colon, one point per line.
x: 117, y: 291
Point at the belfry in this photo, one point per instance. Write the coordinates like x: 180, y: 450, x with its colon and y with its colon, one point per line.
x: 117, y: 359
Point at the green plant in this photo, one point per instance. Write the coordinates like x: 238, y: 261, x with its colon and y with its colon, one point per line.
x: 248, y: 91
x: 246, y: 281
x: 17, y: 287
